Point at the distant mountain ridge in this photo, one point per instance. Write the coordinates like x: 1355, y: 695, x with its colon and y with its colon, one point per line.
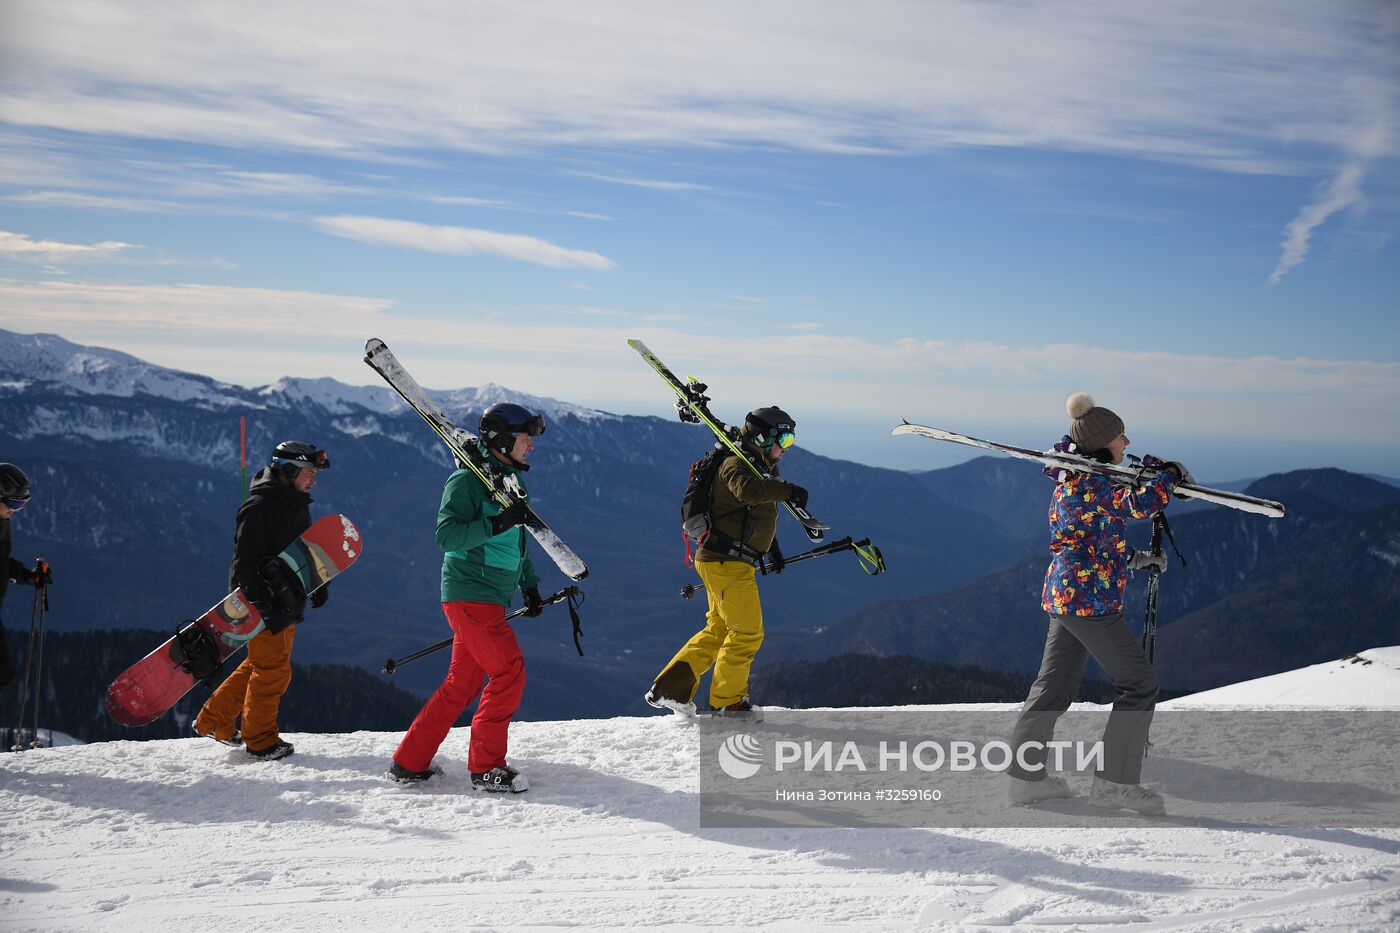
x: 51, y: 363
x: 1256, y: 597
x: 136, y: 480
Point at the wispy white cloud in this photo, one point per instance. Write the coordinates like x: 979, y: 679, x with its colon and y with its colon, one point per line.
x: 1338, y: 194
x: 461, y: 241
x: 803, y: 325
x: 652, y: 184
x: 1188, y: 81
x: 79, y: 199
x: 21, y: 246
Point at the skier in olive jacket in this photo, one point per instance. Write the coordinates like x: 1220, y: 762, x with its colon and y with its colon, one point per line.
x: 744, y: 524
x: 277, y: 511
x: 484, y: 562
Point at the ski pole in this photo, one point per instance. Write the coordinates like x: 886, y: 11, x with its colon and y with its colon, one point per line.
x: 43, y: 576
x: 1149, y: 622
x: 41, y: 602
x: 572, y: 593
x: 867, y: 554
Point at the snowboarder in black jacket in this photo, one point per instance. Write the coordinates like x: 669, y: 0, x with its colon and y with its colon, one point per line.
x: 275, y: 514
x: 14, y: 495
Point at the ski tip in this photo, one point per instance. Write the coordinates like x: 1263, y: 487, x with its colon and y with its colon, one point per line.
x: 374, y: 343
x: 582, y: 575
x: 904, y: 427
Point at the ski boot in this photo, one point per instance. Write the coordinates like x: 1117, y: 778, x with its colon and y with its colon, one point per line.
x: 272, y: 752
x: 504, y: 779
x: 1020, y: 792
x: 660, y: 700
x: 233, y: 741
x: 401, y: 775
x: 1110, y: 795
x: 743, y: 711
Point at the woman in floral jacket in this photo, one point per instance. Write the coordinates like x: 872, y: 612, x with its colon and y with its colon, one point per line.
x: 1083, y: 596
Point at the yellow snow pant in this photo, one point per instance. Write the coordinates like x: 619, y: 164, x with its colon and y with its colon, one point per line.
x: 254, y: 689
x: 732, y: 634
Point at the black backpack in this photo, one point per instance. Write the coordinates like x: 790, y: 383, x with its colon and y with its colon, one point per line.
x: 695, y: 506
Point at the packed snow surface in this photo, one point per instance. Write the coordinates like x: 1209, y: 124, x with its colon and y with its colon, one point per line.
x: 1368, y: 679
x: 191, y: 835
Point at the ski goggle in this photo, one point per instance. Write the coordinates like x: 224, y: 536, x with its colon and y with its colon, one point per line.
x: 785, y: 440
x: 534, y: 427
x: 318, y: 461
x: 14, y: 505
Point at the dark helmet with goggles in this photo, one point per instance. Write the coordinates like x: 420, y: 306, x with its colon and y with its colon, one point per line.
x: 14, y: 487
x: 501, y: 423
x: 769, y: 426
x: 291, y: 457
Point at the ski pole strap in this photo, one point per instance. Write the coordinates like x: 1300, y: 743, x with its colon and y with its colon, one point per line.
x: 869, y: 557
x: 1166, y: 527
x: 575, y: 596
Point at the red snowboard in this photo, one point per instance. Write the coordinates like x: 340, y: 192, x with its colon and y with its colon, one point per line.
x: 154, y: 684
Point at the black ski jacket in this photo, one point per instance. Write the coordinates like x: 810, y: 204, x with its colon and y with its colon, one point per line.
x: 273, y: 516
x: 11, y: 570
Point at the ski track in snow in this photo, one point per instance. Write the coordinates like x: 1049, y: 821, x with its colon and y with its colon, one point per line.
x: 188, y: 834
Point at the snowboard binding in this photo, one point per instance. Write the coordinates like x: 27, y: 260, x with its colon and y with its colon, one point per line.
x: 197, y: 652
x: 284, y: 589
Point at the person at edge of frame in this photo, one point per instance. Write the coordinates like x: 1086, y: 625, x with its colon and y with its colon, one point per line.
x: 1083, y: 598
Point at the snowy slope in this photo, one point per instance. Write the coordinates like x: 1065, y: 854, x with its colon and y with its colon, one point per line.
x: 1368, y: 679
x: 190, y: 835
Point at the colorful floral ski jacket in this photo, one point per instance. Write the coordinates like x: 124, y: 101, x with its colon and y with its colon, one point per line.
x: 1089, y: 554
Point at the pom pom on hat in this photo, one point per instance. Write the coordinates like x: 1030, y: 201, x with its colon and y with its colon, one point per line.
x: 1079, y: 404
x: 1091, y: 427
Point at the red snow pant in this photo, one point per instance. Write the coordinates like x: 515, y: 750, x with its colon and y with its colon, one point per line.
x: 483, y: 646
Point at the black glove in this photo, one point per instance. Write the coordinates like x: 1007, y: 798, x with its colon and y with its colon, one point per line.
x: 1183, y: 475
x: 318, y: 598
x: 534, y: 605
x: 507, y: 519
x: 776, y: 562
x: 798, y: 496
x: 1146, y: 560
x: 42, y: 574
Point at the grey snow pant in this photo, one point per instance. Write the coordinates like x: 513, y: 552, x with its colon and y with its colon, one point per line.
x: 1068, y: 644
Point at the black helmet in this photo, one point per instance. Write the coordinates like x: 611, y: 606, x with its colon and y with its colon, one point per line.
x: 502, y: 421
x: 769, y: 426
x: 14, y: 486
x: 290, y: 457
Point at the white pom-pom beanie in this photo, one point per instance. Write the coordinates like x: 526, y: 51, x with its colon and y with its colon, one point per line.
x: 1091, y: 427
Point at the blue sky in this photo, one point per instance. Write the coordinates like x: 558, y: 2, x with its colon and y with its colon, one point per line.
x: 955, y: 213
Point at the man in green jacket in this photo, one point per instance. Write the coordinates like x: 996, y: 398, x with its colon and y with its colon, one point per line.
x: 743, y: 533
x: 484, y: 562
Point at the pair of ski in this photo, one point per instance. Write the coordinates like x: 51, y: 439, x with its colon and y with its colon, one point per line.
x: 1127, y: 474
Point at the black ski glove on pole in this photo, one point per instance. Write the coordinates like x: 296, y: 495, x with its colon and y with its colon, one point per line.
x: 318, y: 598
x: 508, y: 518
x: 798, y: 496
x: 776, y: 562
x: 534, y: 605
x: 1146, y: 560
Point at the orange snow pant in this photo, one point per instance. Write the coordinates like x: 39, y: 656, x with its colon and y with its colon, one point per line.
x: 254, y: 690
x: 731, y: 637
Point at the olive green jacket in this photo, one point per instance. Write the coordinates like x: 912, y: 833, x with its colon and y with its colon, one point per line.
x: 743, y: 506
